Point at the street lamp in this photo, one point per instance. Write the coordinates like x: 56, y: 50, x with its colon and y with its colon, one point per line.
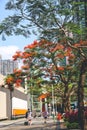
x: 53, y: 111
x: 53, y: 97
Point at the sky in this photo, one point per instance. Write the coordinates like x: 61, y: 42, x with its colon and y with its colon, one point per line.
x: 13, y: 43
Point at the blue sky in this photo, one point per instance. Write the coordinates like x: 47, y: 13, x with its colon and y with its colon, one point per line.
x: 12, y: 43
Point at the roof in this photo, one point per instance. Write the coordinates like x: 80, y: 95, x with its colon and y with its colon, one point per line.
x: 21, y: 89
x: 43, y: 95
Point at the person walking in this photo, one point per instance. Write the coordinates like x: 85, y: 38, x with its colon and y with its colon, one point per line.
x: 29, y: 117
x: 59, y: 116
x: 45, y: 114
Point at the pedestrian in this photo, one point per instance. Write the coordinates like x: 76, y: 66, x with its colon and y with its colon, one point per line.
x: 29, y: 116
x: 59, y: 116
x: 45, y: 114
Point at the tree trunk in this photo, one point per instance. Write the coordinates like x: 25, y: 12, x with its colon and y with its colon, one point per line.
x: 66, y: 104
x: 81, y: 94
x: 66, y: 100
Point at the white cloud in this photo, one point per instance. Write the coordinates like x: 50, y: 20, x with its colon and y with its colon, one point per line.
x: 7, y: 52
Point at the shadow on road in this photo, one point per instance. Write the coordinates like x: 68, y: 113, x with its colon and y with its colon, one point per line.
x: 37, y: 125
x: 48, y: 126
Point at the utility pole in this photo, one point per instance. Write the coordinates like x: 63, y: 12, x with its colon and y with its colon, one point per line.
x: 28, y: 94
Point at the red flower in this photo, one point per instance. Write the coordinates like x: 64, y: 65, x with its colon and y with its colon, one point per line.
x: 60, y: 68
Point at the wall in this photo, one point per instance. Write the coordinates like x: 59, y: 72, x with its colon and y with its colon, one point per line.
x: 12, y: 101
x: 2, y: 105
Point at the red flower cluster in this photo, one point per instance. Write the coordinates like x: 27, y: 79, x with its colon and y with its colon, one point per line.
x: 71, y: 116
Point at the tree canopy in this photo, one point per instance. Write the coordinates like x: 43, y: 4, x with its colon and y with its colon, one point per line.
x: 56, y: 21
x: 50, y: 19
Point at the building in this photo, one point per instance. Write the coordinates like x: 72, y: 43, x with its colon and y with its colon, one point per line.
x: 14, y: 103
x: 7, y: 66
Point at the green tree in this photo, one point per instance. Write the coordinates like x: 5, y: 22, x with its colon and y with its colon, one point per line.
x: 48, y: 17
x: 42, y: 60
x: 54, y: 20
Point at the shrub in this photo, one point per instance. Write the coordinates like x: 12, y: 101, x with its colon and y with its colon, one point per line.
x: 71, y: 116
x: 85, y: 112
x: 73, y: 125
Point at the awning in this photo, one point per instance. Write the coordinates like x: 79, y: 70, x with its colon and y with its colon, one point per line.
x: 43, y: 95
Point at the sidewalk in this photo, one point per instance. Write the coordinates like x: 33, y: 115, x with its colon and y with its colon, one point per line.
x: 37, y: 124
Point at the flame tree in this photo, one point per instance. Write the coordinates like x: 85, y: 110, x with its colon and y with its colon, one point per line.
x: 54, y: 20
x: 46, y: 58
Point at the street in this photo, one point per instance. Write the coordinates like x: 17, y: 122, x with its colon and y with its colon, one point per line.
x: 37, y: 124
